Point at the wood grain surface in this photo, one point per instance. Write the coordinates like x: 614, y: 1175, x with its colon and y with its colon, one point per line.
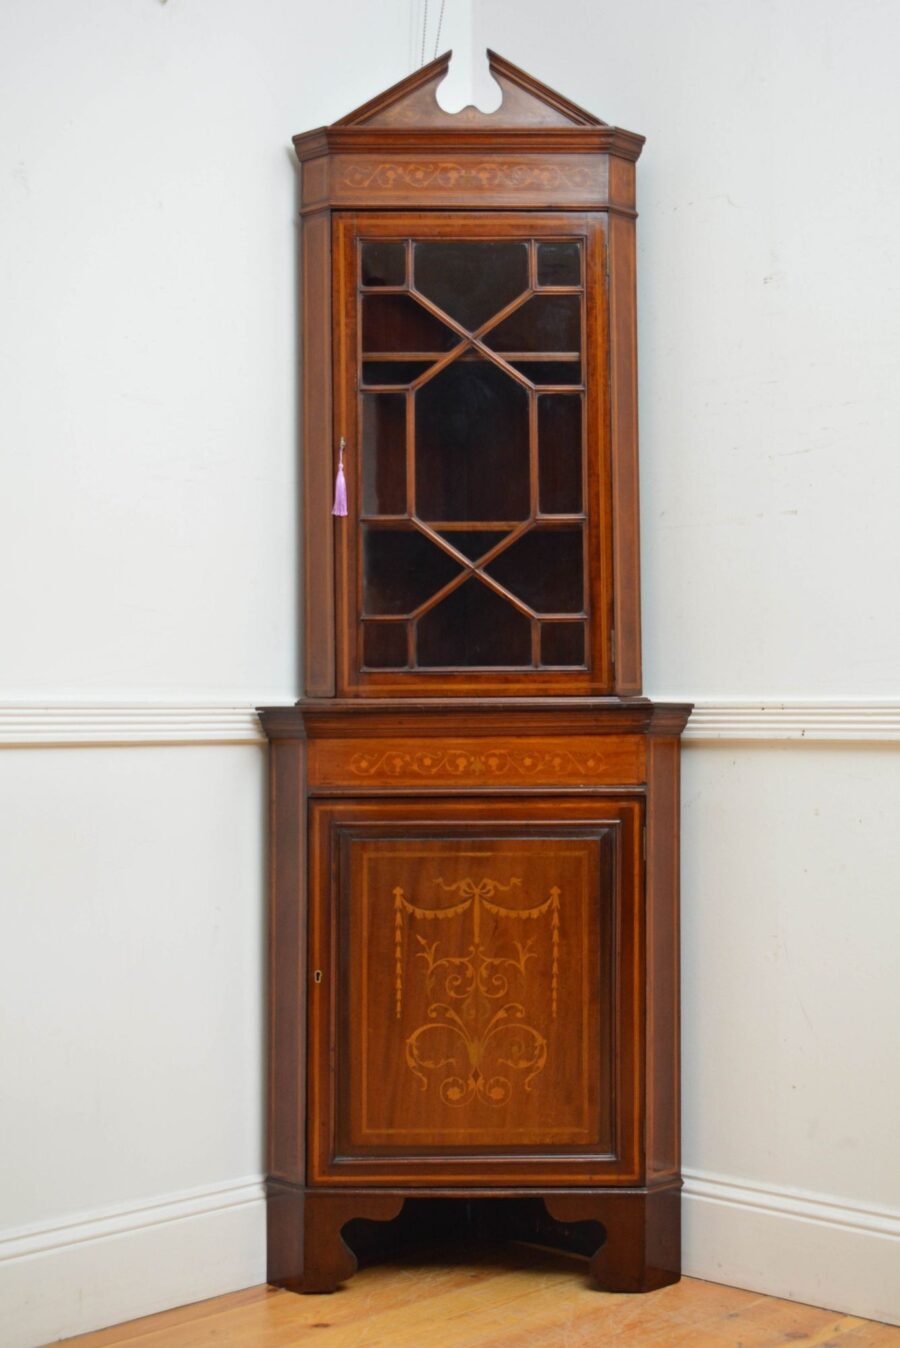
x: 495, y: 1298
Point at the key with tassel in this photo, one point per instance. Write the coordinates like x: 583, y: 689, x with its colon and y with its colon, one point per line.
x: 340, y: 484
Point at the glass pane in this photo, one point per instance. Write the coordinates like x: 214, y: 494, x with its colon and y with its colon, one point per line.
x: 401, y: 569
x: 545, y: 568
x: 549, y: 371
x: 562, y: 643
x: 398, y: 323
x: 473, y: 626
x: 559, y: 264
x: 471, y: 281
x: 559, y: 453
x: 384, y: 264
x: 384, y: 453
x: 384, y: 645
x: 544, y: 323
x: 472, y: 458
x: 474, y: 543
x: 394, y: 372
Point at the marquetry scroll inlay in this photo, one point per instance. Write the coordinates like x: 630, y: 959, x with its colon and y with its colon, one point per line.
x: 463, y: 763
x: 450, y: 176
x: 476, y: 1007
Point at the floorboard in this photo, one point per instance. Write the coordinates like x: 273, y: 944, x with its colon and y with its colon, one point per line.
x: 496, y: 1297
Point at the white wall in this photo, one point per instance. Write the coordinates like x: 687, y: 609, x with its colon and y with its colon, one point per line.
x: 769, y: 315
x: 791, y: 1037
x: 148, y: 551
x: 769, y: 341
x: 131, y: 1031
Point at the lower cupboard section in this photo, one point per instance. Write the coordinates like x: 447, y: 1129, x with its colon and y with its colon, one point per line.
x: 474, y: 978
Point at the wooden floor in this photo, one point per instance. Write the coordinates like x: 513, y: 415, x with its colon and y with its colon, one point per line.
x: 497, y: 1298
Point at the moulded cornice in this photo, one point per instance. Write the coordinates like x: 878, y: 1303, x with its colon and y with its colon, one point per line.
x: 337, y: 717
x: 586, y: 140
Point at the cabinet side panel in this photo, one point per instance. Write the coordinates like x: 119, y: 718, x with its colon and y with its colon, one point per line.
x: 287, y: 962
x: 318, y: 482
x: 662, y: 1014
x: 624, y: 434
x: 600, y: 476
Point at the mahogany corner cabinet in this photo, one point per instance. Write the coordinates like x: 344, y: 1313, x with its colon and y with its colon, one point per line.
x: 474, y: 813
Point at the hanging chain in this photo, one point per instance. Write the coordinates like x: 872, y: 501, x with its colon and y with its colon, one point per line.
x: 437, y: 36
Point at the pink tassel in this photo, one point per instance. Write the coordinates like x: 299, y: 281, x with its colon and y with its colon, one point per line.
x: 340, y: 487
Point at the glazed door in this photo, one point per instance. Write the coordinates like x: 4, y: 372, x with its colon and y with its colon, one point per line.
x: 471, y: 388
x: 473, y: 991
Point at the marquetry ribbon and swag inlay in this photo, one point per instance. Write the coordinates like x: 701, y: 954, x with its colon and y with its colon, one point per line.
x: 476, y: 994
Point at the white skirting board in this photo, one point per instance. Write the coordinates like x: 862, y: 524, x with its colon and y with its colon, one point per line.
x: 116, y: 1265
x: 800, y: 1246
x: 106, y: 1267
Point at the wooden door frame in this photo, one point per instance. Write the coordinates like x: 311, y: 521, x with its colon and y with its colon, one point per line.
x: 347, y: 229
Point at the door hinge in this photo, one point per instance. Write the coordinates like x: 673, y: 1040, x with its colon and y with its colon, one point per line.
x: 612, y: 647
x: 644, y: 842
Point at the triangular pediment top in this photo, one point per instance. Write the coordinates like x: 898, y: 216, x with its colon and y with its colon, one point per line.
x: 412, y: 103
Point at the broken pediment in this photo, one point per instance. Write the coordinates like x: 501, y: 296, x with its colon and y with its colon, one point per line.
x: 412, y: 103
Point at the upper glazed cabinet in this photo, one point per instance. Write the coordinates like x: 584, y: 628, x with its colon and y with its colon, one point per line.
x: 469, y: 357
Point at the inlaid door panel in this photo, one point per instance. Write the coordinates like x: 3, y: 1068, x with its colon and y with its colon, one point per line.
x: 473, y: 990
x: 472, y: 393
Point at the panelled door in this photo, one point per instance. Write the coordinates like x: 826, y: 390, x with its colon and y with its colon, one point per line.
x: 474, y: 974
x: 471, y: 387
